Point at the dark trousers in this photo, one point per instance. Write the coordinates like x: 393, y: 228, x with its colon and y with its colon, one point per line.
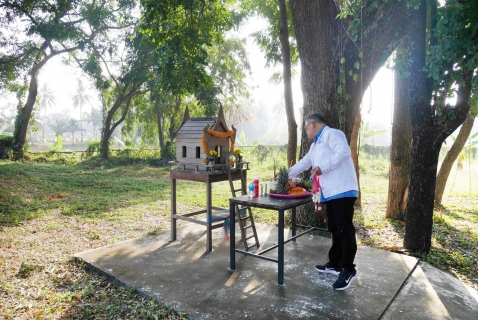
x: 340, y: 213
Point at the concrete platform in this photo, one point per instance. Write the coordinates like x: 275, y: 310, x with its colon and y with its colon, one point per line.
x: 183, y: 276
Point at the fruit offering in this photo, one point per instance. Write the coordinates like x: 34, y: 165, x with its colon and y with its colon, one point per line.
x: 285, y: 185
x: 283, y: 181
x: 297, y: 190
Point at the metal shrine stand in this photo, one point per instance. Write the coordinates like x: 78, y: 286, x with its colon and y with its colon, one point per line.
x: 208, y: 174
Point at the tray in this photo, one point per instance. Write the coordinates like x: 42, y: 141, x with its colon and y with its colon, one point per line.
x: 290, y: 196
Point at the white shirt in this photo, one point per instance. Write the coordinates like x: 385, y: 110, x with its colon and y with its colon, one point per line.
x: 331, y: 153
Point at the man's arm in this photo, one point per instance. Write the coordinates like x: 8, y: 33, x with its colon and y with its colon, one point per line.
x: 300, y: 166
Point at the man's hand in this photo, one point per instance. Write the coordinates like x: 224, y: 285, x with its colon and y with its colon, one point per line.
x: 317, y: 170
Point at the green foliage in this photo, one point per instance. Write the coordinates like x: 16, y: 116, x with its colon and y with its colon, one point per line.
x: 268, y: 40
x: 48, y: 30
x: 377, y: 152
x: 455, y: 52
x: 6, y: 145
x: 351, y: 14
x: 26, y: 269
x: 168, y: 153
x: 58, y: 145
x: 92, y: 148
x: 181, y: 31
x: 457, y: 46
x: 95, y: 117
x: 228, y: 68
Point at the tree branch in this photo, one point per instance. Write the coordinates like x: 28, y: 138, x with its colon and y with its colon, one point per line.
x: 462, y: 107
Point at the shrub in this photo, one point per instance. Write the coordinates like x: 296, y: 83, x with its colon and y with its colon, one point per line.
x: 6, y: 146
x: 93, y: 147
x: 168, y: 153
x: 58, y: 145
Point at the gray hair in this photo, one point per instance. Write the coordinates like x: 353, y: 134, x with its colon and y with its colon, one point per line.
x: 316, y: 117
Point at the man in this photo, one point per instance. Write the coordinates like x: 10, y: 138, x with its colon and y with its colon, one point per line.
x: 330, y: 157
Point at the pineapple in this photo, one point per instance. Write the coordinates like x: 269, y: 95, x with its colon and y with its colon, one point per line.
x: 282, y: 181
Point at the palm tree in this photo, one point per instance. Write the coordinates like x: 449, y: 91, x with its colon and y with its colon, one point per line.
x: 58, y: 123
x: 79, y: 100
x: 72, y: 126
x: 95, y: 118
x: 47, y: 99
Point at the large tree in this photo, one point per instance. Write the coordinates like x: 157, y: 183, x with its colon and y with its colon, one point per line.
x: 51, y: 29
x: 400, y: 148
x: 340, y: 56
x: 440, y: 63
x: 183, y: 65
x: 227, y: 69
x: 119, y: 63
x: 342, y: 45
x: 454, y: 152
x: 277, y: 41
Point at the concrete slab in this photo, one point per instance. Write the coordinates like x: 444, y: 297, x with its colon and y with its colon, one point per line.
x: 182, y: 275
x: 431, y: 293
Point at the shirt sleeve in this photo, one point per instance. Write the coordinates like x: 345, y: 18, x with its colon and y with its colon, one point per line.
x: 303, y: 164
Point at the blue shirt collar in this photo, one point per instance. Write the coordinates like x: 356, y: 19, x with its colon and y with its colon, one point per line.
x: 318, y: 134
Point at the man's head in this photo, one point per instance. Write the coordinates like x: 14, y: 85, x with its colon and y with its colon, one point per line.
x: 313, y: 123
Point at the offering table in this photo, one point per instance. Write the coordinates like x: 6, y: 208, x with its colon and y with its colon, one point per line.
x: 272, y: 203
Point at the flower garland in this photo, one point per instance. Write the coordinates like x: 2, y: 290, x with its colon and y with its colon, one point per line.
x: 217, y: 134
x: 204, y: 145
x: 220, y: 134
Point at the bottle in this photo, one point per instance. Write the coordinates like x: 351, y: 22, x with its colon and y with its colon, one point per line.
x: 256, y: 185
x: 251, y: 190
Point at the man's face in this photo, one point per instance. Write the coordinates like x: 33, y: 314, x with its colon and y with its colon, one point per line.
x: 309, y: 128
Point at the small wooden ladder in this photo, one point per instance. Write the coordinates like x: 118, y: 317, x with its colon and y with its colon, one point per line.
x: 244, y: 213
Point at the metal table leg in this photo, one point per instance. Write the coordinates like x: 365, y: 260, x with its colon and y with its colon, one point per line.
x: 294, y: 223
x: 280, y: 278
x: 173, y: 210
x: 232, y: 235
x: 209, y: 218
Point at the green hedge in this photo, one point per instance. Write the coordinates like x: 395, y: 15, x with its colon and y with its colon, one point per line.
x: 6, y: 145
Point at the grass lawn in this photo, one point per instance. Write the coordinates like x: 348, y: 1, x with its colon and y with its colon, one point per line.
x: 48, y: 212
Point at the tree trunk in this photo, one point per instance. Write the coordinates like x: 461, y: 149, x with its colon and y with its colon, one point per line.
x: 322, y: 43
x: 419, y: 213
x: 287, y: 75
x: 24, y: 114
x: 106, y: 132
x: 317, y: 57
x: 427, y: 136
x: 160, y: 125
x: 175, y: 114
x: 400, y: 150
x: 354, y: 147
x: 451, y: 157
x: 109, y: 127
